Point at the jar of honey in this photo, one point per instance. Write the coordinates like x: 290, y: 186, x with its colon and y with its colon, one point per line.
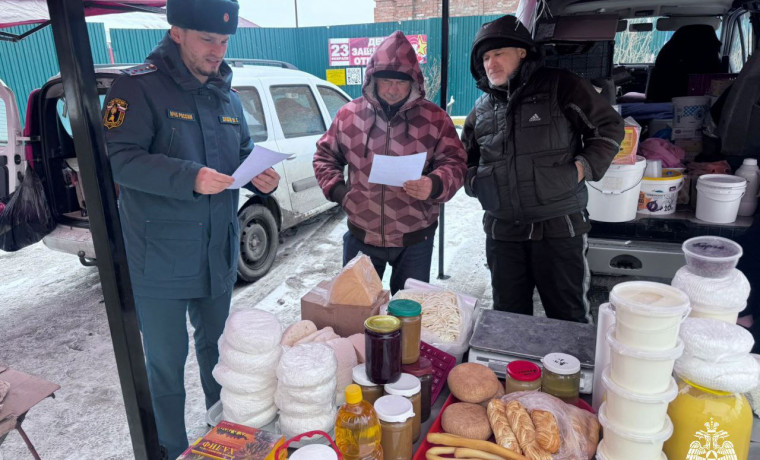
x: 396, y: 419
x: 708, y: 424
x: 410, y: 388
x: 410, y: 314
x: 522, y: 376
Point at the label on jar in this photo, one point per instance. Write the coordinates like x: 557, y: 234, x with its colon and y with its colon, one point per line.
x: 712, y: 444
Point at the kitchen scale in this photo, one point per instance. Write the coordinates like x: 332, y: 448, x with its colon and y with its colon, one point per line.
x: 502, y: 337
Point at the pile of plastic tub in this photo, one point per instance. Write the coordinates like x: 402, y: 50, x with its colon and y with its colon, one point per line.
x: 638, y: 383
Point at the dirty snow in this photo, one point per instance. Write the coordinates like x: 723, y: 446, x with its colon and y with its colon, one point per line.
x: 53, y: 324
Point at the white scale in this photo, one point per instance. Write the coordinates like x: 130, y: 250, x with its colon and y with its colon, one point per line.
x: 500, y: 338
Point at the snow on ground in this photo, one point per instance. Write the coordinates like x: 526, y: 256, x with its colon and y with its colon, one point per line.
x: 53, y: 324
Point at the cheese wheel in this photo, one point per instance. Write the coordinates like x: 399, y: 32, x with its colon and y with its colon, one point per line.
x: 294, y: 425
x: 357, y: 283
x: 297, y: 331
x: 244, y: 407
x: 290, y: 406
x: 253, y: 331
x: 261, y: 419
x: 248, y: 363
x: 307, y: 365
x: 323, y: 393
x: 243, y: 383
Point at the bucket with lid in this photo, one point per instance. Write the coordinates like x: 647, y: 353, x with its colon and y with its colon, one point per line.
x: 621, y: 444
x: 641, y: 371
x: 637, y: 413
x: 647, y: 314
x: 719, y: 196
x: 659, y: 195
x: 614, y: 198
x: 690, y: 111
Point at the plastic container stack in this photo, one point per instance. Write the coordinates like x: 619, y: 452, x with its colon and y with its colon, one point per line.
x: 643, y: 342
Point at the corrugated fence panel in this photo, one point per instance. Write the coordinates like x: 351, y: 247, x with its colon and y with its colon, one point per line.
x: 29, y: 63
x: 131, y: 46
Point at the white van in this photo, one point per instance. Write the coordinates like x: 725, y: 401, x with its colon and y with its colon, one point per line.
x: 287, y: 111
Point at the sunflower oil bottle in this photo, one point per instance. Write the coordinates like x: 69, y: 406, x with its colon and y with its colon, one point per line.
x: 357, y: 428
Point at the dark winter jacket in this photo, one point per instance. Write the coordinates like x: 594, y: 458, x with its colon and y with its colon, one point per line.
x: 162, y: 127
x: 382, y: 215
x: 523, y: 141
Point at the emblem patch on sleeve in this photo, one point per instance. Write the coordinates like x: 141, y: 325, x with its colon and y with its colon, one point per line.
x: 116, y: 110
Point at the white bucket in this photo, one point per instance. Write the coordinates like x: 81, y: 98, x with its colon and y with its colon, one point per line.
x: 601, y: 450
x: 641, y: 371
x: 719, y: 196
x: 634, y: 412
x: 621, y: 444
x: 709, y: 311
x: 659, y: 195
x: 615, y: 197
x: 648, y: 315
x: 690, y: 111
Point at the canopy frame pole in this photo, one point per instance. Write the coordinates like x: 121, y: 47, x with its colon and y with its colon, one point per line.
x: 442, y: 103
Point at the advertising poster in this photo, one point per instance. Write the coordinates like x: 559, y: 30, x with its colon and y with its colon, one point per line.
x: 355, y: 52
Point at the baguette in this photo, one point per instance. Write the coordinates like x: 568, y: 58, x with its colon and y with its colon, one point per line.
x: 504, y: 435
x: 485, y: 446
x: 547, y: 431
x: 464, y: 452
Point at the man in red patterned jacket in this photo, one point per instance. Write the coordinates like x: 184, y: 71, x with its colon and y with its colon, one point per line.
x: 392, y: 225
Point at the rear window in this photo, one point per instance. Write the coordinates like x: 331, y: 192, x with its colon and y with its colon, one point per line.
x: 639, y: 47
x: 254, y: 113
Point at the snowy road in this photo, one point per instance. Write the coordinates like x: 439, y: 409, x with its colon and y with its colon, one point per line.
x: 53, y: 324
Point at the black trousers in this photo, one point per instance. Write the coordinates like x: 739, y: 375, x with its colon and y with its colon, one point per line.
x: 556, y: 266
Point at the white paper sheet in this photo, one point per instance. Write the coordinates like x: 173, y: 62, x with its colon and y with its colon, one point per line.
x: 392, y: 170
x: 257, y: 162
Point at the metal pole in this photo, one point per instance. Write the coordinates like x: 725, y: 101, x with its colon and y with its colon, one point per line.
x: 77, y: 72
x: 442, y: 103
x: 295, y: 2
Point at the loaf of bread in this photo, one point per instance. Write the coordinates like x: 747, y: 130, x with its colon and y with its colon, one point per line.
x: 547, y: 430
x: 297, y: 331
x: 497, y: 416
x: 467, y: 420
x: 357, y: 284
x: 521, y: 424
x: 472, y: 382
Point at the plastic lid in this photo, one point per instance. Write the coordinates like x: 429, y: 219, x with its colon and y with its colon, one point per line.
x: 656, y: 398
x: 647, y: 297
x: 525, y: 371
x: 654, y: 355
x: 382, y: 324
x: 649, y: 438
x: 714, y: 248
x: 561, y: 363
x: 407, y: 385
x: 314, y: 452
x: 422, y: 366
x: 750, y: 161
x: 359, y: 376
x: 404, y: 307
x: 667, y: 174
x: 353, y: 394
x: 722, y: 181
x: 394, y: 409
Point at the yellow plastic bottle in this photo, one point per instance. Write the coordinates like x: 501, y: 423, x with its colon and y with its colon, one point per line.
x: 357, y: 429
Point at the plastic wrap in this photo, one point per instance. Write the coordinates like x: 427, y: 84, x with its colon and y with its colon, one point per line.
x: 738, y: 375
x: 356, y: 284
x: 715, y: 341
x: 253, y: 331
x: 26, y: 218
x: 579, y: 429
x: 729, y: 293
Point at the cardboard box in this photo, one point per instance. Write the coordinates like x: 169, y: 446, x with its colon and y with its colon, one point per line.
x: 344, y: 319
x: 630, y: 144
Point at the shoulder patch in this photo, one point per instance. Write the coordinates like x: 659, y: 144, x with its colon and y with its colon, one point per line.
x: 116, y: 111
x: 141, y: 69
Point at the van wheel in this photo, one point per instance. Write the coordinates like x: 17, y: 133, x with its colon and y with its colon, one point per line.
x: 258, y: 242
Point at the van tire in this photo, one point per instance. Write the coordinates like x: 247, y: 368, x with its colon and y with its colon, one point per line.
x: 258, y: 242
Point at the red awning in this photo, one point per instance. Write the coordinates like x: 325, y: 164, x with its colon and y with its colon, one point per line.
x: 20, y: 12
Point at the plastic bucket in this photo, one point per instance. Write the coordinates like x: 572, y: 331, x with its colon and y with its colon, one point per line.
x: 719, y: 196
x: 648, y: 315
x: 690, y: 111
x: 602, y: 455
x: 615, y: 197
x: 621, y: 444
x: 659, y: 195
x: 635, y: 412
x: 641, y: 371
x: 712, y: 312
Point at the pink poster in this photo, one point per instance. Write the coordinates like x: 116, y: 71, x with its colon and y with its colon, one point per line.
x: 357, y: 51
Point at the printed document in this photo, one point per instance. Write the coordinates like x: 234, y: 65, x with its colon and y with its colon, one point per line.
x: 257, y: 162
x: 393, y: 170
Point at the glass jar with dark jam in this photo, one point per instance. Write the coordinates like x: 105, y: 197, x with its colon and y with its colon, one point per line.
x: 382, y: 346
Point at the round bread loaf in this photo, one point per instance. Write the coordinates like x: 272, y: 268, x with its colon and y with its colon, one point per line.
x: 473, y: 383
x: 467, y: 420
x: 499, y: 393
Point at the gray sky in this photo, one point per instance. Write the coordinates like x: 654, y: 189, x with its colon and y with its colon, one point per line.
x: 281, y: 13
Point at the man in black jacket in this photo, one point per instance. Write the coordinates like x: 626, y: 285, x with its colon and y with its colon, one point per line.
x: 532, y: 139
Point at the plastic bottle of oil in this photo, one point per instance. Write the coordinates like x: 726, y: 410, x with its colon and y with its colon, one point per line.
x: 357, y: 429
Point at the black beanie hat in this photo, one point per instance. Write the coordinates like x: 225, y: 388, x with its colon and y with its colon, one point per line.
x: 394, y: 74
x: 215, y: 16
x: 496, y: 43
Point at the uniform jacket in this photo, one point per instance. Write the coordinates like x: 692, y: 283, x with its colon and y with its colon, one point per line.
x: 162, y: 127
x: 522, y: 143
x: 382, y: 215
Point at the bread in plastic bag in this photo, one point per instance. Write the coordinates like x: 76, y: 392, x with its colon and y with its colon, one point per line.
x: 738, y: 375
x: 26, y: 217
x: 729, y: 293
x: 578, y: 428
x: 715, y: 341
x: 357, y: 283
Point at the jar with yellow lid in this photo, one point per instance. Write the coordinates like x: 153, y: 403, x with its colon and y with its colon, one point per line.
x: 708, y: 424
x: 382, y: 348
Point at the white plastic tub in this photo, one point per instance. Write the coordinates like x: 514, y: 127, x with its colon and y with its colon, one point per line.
x: 641, y: 371
x: 719, y: 196
x: 601, y: 450
x: 647, y: 314
x: 635, y: 412
x: 711, y: 256
x: 615, y: 197
x: 659, y: 195
x: 721, y: 314
x: 621, y: 444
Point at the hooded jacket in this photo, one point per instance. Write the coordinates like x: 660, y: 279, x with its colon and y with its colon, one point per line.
x: 523, y: 141
x: 179, y: 244
x: 382, y: 215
